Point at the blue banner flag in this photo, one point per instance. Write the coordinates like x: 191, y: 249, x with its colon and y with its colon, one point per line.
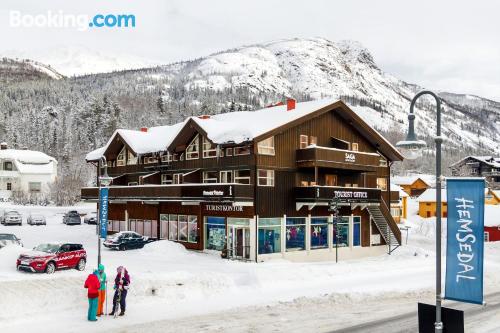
x: 465, y: 242
x: 103, y: 212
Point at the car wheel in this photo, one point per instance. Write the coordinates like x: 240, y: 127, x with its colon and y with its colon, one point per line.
x: 81, y: 265
x: 123, y: 247
x: 51, y: 267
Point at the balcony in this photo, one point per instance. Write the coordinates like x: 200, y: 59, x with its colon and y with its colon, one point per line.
x: 177, y: 192
x: 325, y: 157
x: 318, y: 194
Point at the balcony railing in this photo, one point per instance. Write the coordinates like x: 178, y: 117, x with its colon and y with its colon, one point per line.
x: 344, y: 194
x: 337, y: 158
x: 177, y: 192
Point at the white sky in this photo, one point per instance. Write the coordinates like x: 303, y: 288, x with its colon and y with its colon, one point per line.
x: 445, y: 45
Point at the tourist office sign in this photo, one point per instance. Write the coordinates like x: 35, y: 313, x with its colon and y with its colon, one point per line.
x: 465, y: 242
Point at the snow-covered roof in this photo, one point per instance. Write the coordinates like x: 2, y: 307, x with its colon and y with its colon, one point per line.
x: 492, y: 215
x: 231, y: 127
x: 408, y: 180
x: 489, y: 160
x: 398, y: 188
x: 29, y: 161
x: 429, y: 195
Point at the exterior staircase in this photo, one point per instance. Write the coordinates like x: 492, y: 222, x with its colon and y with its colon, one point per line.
x: 386, y: 225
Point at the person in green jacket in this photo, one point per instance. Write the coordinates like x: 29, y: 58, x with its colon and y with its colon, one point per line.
x: 101, y: 274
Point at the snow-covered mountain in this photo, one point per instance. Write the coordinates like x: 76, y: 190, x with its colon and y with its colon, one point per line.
x: 80, y: 60
x: 21, y: 70
x: 322, y: 68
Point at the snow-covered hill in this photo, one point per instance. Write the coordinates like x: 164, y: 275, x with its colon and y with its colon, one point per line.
x: 21, y: 70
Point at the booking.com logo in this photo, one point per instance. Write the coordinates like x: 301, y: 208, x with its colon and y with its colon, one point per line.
x: 61, y: 20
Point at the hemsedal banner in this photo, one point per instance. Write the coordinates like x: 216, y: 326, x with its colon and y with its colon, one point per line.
x: 465, y: 242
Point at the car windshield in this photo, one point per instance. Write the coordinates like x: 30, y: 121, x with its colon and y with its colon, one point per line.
x: 49, y: 248
x: 36, y: 216
x: 7, y: 237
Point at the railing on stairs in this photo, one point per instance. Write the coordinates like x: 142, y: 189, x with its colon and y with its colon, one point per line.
x: 388, y: 228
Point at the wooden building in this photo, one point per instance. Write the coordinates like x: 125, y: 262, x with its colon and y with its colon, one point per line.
x: 256, y: 184
x: 427, y: 203
x: 399, y: 203
x: 412, y: 185
x: 479, y: 166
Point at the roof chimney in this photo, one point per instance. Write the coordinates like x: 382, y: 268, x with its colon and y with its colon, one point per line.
x: 290, y: 104
x: 204, y: 116
x: 144, y: 129
x: 3, y: 145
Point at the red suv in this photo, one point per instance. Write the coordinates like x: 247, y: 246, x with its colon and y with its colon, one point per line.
x: 51, y: 256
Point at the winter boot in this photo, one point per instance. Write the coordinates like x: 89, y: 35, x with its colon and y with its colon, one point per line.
x: 112, y: 313
x: 122, y: 313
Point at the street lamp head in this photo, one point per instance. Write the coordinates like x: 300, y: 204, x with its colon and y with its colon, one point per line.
x: 411, y: 148
x: 105, y: 180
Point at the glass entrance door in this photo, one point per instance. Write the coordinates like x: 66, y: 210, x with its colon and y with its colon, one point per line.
x: 239, y: 242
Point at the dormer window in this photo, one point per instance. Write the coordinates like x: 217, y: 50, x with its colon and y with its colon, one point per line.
x: 266, y: 147
x: 131, y: 158
x: 193, y: 150
x: 120, y: 159
x: 209, y: 149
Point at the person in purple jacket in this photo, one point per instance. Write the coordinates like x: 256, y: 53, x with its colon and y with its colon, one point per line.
x: 122, y: 283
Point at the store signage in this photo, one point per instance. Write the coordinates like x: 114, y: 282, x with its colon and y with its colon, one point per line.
x: 103, y: 212
x: 223, y: 208
x: 465, y: 242
x: 351, y: 194
x: 213, y: 193
x: 350, y: 157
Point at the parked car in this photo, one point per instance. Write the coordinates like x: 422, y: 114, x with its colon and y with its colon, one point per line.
x: 6, y: 239
x: 126, y: 240
x: 72, y: 217
x: 36, y: 219
x: 90, y: 218
x: 49, y: 257
x: 12, y: 217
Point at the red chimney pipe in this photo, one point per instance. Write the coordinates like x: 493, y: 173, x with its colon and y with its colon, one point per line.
x: 290, y: 104
x: 144, y: 129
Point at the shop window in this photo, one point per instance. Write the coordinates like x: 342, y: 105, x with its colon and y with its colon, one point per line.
x: 295, y: 233
x: 177, y: 178
x: 303, y: 141
x: 172, y: 227
x: 193, y: 149
x: 193, y: 229
x: 242, y: 176
x: 9, y: 186
x: 269, y: 235
x: 266, y: 147
x: 245, y: 150
x: 131, y: 158
x: 210, y: 176
x: 120, y: 159
x: 183, y: 228
x: 166, y: 179
x: 354, y: 146
x: 163, y: 226
x: 265, y: 177
x: 356, y: 231
x: 215, y: 233
x: 341, y: 232
x: 382, y: 183
x: 319, y: 232
x: 209, y: 149
x: 313, y: 140
x: 229, y: 151
x: 148, y: 230
x: 226, y: 176
x: 35, y: 187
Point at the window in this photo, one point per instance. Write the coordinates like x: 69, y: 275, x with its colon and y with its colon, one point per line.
x: 175, y: 157
x: 9, y: 186
x: 319, y: 232
x: 382, y: 162
x: 313, y: 140
x: 354, y: 185
x: 229, y: 151
x: 183, y: 228
x: 210, y: 176
x: 132, y: 183
x: 172, y: 227
x: 242, y: 176
x: 265, y: 177
x: 209, y: 149
x: 215, y: 233
x: 150, y: 160
x: 34, y: 186
x: 177, y: 178
x: 131, y: 158
x: 382, y: 183
x: 396, y: 211
x: 355, y: 146
x: 226, y: 176
x: 166, y: 179
x: 163, y: 226
x: 356, y: 231
x: 241, y: 151
x: 295, y: 233
x: 193, y: 150
x: 7, y: 166
x: 120, y: 159
x: 269, y: 235
x: 193, y: 229
x: 341, y: 230
x: 331, y: 180
x: 303, y: 141
x: 166, y: 158
x: 347, y: 184
x: 266, y: 147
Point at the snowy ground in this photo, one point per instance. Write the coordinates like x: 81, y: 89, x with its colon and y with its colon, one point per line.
x: 191, y: 287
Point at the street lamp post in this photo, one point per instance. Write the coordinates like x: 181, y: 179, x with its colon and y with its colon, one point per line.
x: 104, y: 180
x: 411, y: 146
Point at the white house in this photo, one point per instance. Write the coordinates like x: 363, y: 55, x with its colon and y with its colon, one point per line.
x: 26, y: 171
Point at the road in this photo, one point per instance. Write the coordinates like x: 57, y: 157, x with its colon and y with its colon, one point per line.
x: 332, y: 314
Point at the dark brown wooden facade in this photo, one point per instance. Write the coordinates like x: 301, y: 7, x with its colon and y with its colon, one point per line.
x: 343, y: 157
